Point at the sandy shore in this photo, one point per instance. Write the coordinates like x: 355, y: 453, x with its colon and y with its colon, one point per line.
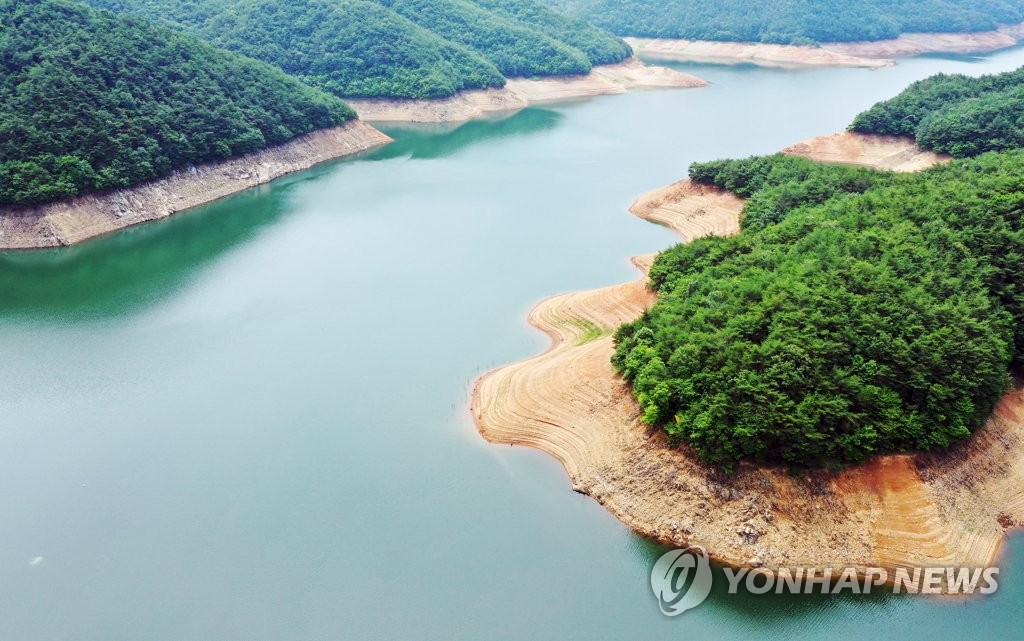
x: 846, y: 54
x: 864, y: 150
x: 72, y: 221
x: 895, y: 511
x: 519, y: 93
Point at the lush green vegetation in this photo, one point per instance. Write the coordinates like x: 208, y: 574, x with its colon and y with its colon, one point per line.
x: 600, y: 47
x: 859, y: 312
x: 515, y: 49
x: 91, y: 101
x: 798, y: 22
x: 350, y: 48
x: 954, y: 114
x: 392, y: 48
x: 354, y: 48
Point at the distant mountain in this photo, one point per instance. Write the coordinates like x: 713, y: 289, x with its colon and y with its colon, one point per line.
x: 393, y: 48
x: 792, y: 21
x: 90, y: 100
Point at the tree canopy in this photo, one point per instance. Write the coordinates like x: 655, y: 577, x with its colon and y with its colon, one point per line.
x: 954, y: 114
x: 599, y: 46
x: 92, y: 101
x: 516, y: 50
x: 858, y: 313
x: 393, y: 48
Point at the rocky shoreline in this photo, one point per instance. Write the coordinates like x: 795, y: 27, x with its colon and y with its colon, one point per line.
x: 72, y: 221
x: 520, y: 93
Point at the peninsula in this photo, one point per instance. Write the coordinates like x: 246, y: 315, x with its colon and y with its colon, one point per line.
x: 946, y: 500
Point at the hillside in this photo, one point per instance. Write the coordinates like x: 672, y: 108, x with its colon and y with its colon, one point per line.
x: 351, y: 48
x: 515, y: 49
x: 393, y: 48
x: 600, y: 47
x: 93, y: 101
x: 792, y: 22
x: 954, y: 114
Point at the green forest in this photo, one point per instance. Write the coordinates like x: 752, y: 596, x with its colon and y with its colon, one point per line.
x: 792, y: 21
x: 392, y: 48
x: 858, y: 313
x: 954, y: 114
x: 599, y: 46
x: 514, y: 49
x: 92, y: 101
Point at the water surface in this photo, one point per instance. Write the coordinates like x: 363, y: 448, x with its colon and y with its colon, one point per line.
x: 249, y: 421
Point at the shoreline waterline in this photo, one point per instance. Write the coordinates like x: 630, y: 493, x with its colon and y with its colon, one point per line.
x: 69, y: 222
x: 520, y: 93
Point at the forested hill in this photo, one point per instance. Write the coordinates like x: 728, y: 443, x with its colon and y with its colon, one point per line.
x: 513, y: 48
x: 393, y: 48
x: 90, y: 101
x: 599, y: 45
x: 858, y: 312
x: 792, y: 21
x: 954, y: 114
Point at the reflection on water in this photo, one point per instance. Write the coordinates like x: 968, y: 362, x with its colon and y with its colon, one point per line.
x: 126, y: 271
x: 426, y: 141
x: 122, y: 272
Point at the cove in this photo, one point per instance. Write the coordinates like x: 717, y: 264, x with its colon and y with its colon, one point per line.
x: 249, y: 421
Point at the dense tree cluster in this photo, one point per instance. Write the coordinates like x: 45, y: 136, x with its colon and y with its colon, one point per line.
x: 954, y: 114
x: 92, y: 101
x: 515, y: 49
x: 393, y: 48
x: 354, y: 48
x: 776, y: 185
x: 600, y: 47
x: 350, y: 48
x: 792, y: 21
x: 881, y: 318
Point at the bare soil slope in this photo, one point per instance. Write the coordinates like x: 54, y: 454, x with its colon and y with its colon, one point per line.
x: 520, y: 93
x: 865, y: 150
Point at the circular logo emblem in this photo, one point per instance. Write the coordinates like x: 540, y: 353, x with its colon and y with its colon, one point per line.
x: 681, y: 580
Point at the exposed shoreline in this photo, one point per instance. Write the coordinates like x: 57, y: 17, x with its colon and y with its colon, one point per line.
x: 894, y: 511
x: 868, y: 54
x: 861, y: 150
x: 72, y: 221
x: 520, y: 93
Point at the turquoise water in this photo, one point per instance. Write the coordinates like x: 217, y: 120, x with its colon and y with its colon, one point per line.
x: 249, y: 422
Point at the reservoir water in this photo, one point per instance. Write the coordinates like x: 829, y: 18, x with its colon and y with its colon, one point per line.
x: 249, y: 422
